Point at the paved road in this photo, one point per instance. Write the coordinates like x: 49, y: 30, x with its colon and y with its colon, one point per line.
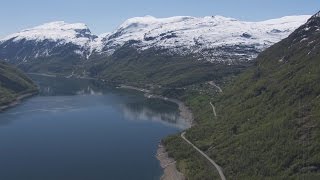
x: 62, y: 75
x: 219, y: 169
x: 213, y: 110
x: 43, y: 74
x: 216, y: 86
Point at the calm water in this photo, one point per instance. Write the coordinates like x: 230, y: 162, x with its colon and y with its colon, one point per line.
x: 77, y: 129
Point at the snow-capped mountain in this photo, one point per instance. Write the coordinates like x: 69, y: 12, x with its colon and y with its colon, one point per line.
x: 213, y: 38
x: 78, y: 34
x: 50, y: 39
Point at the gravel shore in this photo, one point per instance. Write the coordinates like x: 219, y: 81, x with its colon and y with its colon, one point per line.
x: 168, y: 164
x: 170, y: 171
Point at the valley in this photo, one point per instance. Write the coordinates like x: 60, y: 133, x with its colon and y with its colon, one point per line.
x: 252, y: 87
x: 98, y: 124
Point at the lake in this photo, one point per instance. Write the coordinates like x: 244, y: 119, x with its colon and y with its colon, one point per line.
x: 78, y: 129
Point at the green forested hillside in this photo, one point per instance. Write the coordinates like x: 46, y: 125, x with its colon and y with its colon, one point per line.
x: 13, y: 83
x: 268, y: 124
x: 129, y: 66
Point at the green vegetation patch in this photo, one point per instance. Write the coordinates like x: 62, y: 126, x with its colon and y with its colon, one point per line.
x: 13, y: 83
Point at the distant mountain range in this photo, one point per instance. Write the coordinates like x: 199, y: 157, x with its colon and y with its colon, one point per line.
x: 213, y: 38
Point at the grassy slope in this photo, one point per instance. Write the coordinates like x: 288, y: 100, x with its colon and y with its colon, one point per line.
x: 268, y: 118
x: 130, y: 67
x: 13, y: 83
x: 189, y: 161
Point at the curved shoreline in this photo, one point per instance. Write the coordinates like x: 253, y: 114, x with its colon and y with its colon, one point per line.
x: 170, y: 171
x: 168, y: 164
x: 185, y: 112
x: 17, y: 101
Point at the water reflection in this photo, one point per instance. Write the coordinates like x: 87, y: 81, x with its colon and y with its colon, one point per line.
x: 85, y: 129
x: 37, y: 105
x: 135, y: 111
x: 54, y: 86
x: 59, y: 95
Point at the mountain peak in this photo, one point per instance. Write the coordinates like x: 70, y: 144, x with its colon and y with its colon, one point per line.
x: 317, y: 15
x: 212, y: 37
x: 315, y: 18
x: 186, y: 34
x: 220, y: 18
x: 313, y: 24
x: 150, y: 20
x: 77, y: 33
x: 138, y: 20
x: 60, y: 25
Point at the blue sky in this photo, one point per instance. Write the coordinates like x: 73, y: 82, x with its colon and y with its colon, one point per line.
x: 105, y: 15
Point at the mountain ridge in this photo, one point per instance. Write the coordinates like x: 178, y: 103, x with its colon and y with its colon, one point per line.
x: 209, y: 38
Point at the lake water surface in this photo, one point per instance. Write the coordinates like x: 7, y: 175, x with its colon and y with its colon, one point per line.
x: 81, y: 130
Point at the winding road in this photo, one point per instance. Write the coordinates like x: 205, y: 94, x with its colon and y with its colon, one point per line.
x: 216, y: 86
x: 213, y: 110
x: 219, y: 169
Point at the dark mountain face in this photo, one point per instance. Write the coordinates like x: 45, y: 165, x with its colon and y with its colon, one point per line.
x: 52, y: 41
x: 302, y: 44
x: 29, y: 50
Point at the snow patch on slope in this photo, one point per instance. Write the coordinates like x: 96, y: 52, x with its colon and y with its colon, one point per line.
x: 202, y: 33
x: 209, y: 37
x: 78, y: 33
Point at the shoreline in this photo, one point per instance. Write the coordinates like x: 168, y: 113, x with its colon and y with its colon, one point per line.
x: 168, y: 164
x: 134, y: 88
x: 170, y: 171
x: 17, y: 101
x: 184, y: 111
